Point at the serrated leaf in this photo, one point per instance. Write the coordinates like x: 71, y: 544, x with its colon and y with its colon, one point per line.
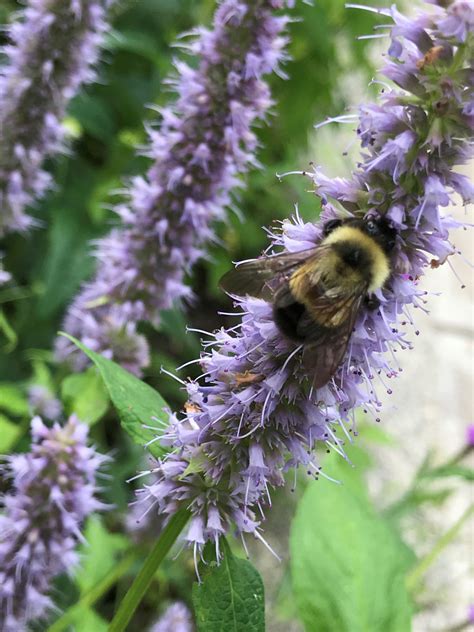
x: 137, y: 403
x: 230, y: 597
x: 348, y: 564
x: 85, y: 395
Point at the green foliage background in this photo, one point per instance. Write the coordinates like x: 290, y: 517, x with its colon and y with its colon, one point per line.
x: 106, y: 123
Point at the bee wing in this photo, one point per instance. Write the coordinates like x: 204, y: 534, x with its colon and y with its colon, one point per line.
x: 260, y: 277
x: 327, y: 345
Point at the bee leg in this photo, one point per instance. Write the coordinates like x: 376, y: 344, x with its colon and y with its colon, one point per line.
x: 372, y: 303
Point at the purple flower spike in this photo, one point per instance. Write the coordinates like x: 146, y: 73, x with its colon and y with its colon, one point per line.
x: 204, y: 145
x: 53, y: 491
x: 4, y: 275
x: 256, y: 414
x: 470, y: 615
x: 52, y: 51
x: 176, y: 618
x: 43, y: 403
x: 470, y: 436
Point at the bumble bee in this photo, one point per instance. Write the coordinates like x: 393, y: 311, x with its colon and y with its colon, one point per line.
x: 317, y: 293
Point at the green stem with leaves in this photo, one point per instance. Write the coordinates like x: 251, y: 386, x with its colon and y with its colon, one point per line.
x: 137, y: 591
x: 93, y: 595
x: 420, y: 569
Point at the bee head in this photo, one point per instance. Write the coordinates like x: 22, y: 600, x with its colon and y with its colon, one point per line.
x: 376, y: 226
x: 381, y: 230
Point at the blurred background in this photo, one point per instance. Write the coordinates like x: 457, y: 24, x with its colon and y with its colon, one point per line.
x: 405, y: 461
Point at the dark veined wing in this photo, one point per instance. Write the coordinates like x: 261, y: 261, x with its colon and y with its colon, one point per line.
x: 330, y: 308
x: 326, y: 345
x: 260, y: 277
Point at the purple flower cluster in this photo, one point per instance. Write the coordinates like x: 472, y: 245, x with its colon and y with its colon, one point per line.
x: 52, y: 50
x: 53, y: 491
x: 470, y: 616
x: 255, y: 415
x: 42, y: 402
x: 4, y: 275
x: 470, y: 436
x: 176, y: 618
x: 203, y: 146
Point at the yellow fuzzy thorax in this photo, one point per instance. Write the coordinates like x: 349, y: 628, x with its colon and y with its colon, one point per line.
x: 380, y: 262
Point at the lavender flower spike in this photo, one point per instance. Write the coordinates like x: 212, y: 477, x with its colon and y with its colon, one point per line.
x: 176, y: 618
x: 256, y: 414
x: 53, y: 491
x: 42, y: 402
x: 203, y: 147
x: 4, y: 275
x: 52, y: 50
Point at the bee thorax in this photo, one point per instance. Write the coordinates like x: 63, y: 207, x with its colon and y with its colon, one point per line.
x: 358, y: 257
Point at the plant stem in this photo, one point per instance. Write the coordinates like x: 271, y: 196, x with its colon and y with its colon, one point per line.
x: 136, y: 592
x: 90, y: 598
x: 420, y: 569
x: 459, y: 456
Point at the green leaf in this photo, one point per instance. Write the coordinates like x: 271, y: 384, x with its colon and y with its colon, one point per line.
x: 375, y: 434
x: 87, y: 619
x: 137, y: 42
x: 348, y: 564
x: 8, y: 332
x: 87, y: 601
x: 98, y: 554
x: 85, y: 395
x: 16, y: 293
x: 92, y: 116
x: 230, y: 598
x: 13, y: 400
x: 9, y: 434
x: 42, y: 374
x: 137, y: 403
